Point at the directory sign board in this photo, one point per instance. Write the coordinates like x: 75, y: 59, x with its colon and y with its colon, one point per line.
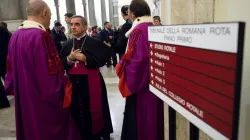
x: 196, y: 69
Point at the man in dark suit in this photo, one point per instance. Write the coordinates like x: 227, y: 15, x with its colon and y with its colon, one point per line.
x: 58, y: 36
x: 106, y: 36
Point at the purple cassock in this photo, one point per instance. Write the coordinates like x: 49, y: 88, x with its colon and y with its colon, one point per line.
x: 143, y: 115
x: 35, y: 78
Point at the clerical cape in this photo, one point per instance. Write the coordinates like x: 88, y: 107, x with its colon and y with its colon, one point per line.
x: 35, y: 76
x: 89, y: 107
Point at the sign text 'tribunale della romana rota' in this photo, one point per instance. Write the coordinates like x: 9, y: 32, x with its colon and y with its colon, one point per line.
x: 184, y: 34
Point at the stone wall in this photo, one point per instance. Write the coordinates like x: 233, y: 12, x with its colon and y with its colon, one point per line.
x: 13, y: 9
x: 9, y: 10
x: 23, y: 5
x: 192, y: 11
x: 13, y: 12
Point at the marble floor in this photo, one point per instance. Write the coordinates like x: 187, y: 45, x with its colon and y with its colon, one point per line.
x: 116, y: 103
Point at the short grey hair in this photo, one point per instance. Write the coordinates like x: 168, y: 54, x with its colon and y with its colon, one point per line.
x: 83, y: 19
x: 35, y: 7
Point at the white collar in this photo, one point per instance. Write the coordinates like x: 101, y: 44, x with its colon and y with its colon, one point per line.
x: 79, y: 38
x: 138, y: 21
x: 27, y: 24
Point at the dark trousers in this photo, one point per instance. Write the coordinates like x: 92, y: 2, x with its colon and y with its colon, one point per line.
x: 129, y: 127
x: 4, y: 102
x: 120, y: 56
x: 114, y: 59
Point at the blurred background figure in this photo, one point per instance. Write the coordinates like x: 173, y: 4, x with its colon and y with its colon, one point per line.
x: 156, y: 20
x: 120, y: 40
x: 89, y: 31
x: 106, y: 36
x: 63, y: 29
x: 5, y: 26
x: 4, y: 41
x: 98, y: 31
x: 58, y: 36
x: 67, y: 20
x: 94, y: 33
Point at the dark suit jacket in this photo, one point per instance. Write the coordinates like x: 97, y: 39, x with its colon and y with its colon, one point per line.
x: 120, y: 40
x: 58, y: 37
x: 104, y: 36
x: 4, y: 42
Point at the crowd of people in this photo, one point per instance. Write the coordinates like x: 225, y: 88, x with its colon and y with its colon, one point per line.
x: 54, y: 75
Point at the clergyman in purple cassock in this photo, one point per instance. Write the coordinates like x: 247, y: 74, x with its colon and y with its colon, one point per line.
x: 143, y: 115
x: 35, y: 76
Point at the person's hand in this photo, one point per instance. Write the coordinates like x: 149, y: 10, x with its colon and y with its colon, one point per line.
x: 110, y: 37
x: 81, y: 57
x: 107, y: 44
x: 73, y: 54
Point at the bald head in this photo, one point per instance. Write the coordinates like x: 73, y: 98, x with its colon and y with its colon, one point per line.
x: 35, y: 7
x: 38, y: 11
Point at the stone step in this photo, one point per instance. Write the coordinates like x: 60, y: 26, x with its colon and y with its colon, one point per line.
x: 11, y: 99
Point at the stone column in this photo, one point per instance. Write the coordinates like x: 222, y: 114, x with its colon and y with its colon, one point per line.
x: 103, y: 9
x: 116, y: 14
x: 70, y: 6
x: 57, y: 10
x: 92, y: 19
x: 85, y: 8
x: 111, y: 12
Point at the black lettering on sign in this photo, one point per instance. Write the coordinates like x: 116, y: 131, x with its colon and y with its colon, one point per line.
x: 169, y: 38
x: 173, y: 30
x: 220, y: 31
x: 194, y: 30
x: 157, y: 30
x: 184, y: 39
